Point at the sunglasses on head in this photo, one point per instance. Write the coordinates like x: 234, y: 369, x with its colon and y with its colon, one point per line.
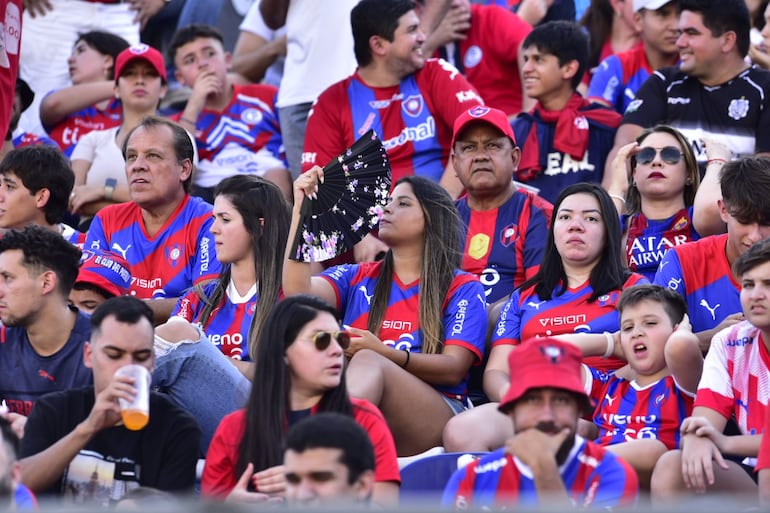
x: 669, y: 155
x: 322, y: 339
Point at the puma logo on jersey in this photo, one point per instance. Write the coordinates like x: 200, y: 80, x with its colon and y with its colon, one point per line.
x: 534, y: 305
x: 366, y: 295
x: 609, y: 399
x: 120, y: 250
x: 712, y: 311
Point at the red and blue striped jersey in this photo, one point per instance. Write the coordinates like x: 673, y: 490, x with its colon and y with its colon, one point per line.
x: 464, y: 314
x: 699, y: 271
x: 626, y: 411
x: 526, y: 316
x: 504, y: 246
x: 228, y: 325
x: 180, y: 255
x: 736, y: 377
x: 594, y: 477
x: 68, y: 131
x: 414, y: 119
x: 245, y: 137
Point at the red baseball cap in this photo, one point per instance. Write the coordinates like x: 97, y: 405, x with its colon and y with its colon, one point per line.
x: 106, y: 270
x: 142, y: 52
x: 494, y: 117
x: 543, y: 363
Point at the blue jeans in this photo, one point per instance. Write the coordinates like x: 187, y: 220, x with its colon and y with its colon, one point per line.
x: 200, y: 379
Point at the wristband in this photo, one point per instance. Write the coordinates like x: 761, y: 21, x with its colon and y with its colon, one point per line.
x: 406, y: 362
x: 610, y: 344
x: 193, y: 123
x: 618, y: 197
x: 721, y: 161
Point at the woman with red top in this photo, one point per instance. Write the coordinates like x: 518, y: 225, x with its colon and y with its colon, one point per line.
x: 299, y: 372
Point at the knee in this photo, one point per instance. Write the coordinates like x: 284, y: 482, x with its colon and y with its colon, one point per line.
x: 177, y: 331
x: 457, y: 433
x: 667, y: 475
x: 367, y: 359
x: 476, y: 430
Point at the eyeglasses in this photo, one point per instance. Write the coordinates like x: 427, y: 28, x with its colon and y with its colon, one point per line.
x: 669, y: 155
x: 322, y: 339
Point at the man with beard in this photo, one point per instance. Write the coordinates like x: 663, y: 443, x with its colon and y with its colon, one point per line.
x: 545, y: 462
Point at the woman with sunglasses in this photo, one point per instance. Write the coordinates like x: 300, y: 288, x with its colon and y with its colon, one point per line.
x: 417, y: 322
x: 657, y: 210
x: 299, y: 372
x: 575, y: 290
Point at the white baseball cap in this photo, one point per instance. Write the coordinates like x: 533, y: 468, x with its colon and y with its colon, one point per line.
x: 649, y: 4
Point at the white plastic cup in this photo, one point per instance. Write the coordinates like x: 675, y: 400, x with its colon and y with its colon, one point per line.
x: 136, y: 413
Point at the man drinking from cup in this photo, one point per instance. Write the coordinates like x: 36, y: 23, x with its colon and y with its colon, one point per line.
x: 76, y: 444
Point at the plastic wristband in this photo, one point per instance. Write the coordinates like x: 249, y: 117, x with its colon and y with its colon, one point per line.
x: 711, y: 161
x: 618, y: 197
x: 610, y: 344
x: 406, y: 362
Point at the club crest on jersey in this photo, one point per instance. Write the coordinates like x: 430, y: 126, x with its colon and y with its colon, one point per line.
x: 608, y: 299
x: 173, y: 253
x: 472, y: 57
x: 738, y: 108
x: 478, y: 246
x: 552, y: 353
x: 251, y: 116
x: 412, y: 105
x: 509, y: 235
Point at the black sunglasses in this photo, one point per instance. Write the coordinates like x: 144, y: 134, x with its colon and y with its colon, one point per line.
x: 669, y: 155
x: 322, y: 339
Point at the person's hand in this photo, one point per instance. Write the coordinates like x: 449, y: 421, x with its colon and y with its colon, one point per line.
x: 621, y: 169
x: 698, y: 457
x: 240, y: 494
x: 106, y: 410
x: 361, y: 339
x: 716, y: 149
x: 84, y: 194
x: 684, y: 325
x: 700, y: 426
x: 17, y: 422
x: 206, y: 84
x: 271, y: 481
x: 146, y: 9
x: 453, y: 27
x: 533, y: 11
x: 534, y: 447
x: 306, y: 185
x: 369, y: 249
x: 759, y: 55
x: 38, y: 7
x: 729, y: 321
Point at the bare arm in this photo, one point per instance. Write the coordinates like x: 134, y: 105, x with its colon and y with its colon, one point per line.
x: 162, y: 308
x: 432, y: 14
x: 274, y: 12
x: 450, y: 182
x: 683, y: 356
x: 706, y: 213
x: 253, y: 54
x: 496, y: 374
x: 60, y: 104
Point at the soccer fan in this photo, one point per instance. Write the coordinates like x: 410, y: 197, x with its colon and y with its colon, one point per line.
x: 19, y: 138
x: 236, y: 127
x: 410, y: 102
x: 102, y: 275
x: 506, y: 225
x: 565, y: 139
x: 163, y: 232
x: 546, y: 462
x: 701, y: 271
x: 734, y: 385
x: 618, y: 77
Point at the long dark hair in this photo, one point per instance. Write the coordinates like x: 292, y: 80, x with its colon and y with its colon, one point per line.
x: 266, y: 218
x: 268, y: 406
x: 441, y: 257
x: 607, y: 275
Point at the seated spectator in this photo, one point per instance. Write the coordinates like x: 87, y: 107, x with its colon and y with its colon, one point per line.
x: 546, y: 462
x: 483, y: 43
x: 102, y: 275
x: 618, y: 77
x: 236, y: 127
x: 71, y: 433
x: 251, y: 223
x: 89, y: 103
x: 565, y: 139
x: 417, y: 322
x: 657, y: 212
x: 260, y: 51
x: 701, y: 271
x: 163, y: 232
x: 734, y: 385
x: 329, y: 459
x: 97, y: 161
x: 14, y: 496
x: 611, y: 30
x: 299, y: 372
x: 17, y: 136
x: 505, y: 224
x: 35, y: 184
x: 575, y: 290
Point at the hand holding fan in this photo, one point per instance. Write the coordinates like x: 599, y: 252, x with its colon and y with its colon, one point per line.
x: 349, y: 202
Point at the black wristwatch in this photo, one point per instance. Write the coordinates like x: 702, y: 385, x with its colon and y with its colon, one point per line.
x: 109, y: 188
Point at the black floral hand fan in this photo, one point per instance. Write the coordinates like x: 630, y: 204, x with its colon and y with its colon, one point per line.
x: 349, y: 203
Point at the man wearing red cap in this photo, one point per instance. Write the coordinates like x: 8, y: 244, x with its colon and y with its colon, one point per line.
x: 545, y: 462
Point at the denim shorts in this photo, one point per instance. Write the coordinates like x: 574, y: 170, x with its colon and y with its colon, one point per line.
x: 458, y: 406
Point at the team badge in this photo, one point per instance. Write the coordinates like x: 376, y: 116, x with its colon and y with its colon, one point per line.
x: 608, y: 299
x: 509, y: 235
x: 581, y: 123
x: 479, y: 246
x: 472, y: 57
x: 412, y: 105
x: 738, y: 108
x: 251, y: 116
x: 552, y: 353
x: 173, y: 253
